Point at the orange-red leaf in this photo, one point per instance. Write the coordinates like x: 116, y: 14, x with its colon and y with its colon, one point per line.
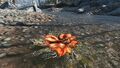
x: 73, y: 43
x: 68, y: 49
x: 72, y: 38
x: 65, y: 36
x: 59, y: 51
x: 61, y: 45
x: 53, y: 45
x: 51, y: 38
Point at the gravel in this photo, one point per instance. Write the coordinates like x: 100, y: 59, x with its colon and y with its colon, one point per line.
x: 21, y: 16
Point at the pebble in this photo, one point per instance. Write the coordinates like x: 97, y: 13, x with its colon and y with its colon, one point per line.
x: 3, y: 55
x: 81, y: 10
x: 104, y: 5
x: 116, y: 37
x: 1, y: 20
x: 24, y: 30
x: 114, y: 62
x: 5, y: 44
x: 8, y: 39
x: 22, y: 39
x: 36, y: 27
x: 82, y: 33
x: 100, y: 45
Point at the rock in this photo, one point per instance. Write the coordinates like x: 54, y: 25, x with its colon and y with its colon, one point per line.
x: 5, y: 44
x: 3, y: 55
x: 7, y: 5
x: 1, y: 20
x: 100, y: 46
x: 104, y: 6
x: 81, y: 10
x: 31, y: 9
x: 36, y: 9
x: 7, y: 39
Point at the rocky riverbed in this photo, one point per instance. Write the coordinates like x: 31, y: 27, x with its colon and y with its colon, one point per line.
x: 99, y: 37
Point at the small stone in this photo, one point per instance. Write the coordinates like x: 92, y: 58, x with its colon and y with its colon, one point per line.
x: 8, y: 39
x: 81, y: 10
x: 104, y: 5
x: 3, y: 55
x: 87, y: 33
x: 82, y: 33
x: 115, y: 62
x: 36, y: 27
x: 5, y: 44
x: 116, y: 37
x: 11, y: 53
x: 22, y: 39
x: 24, y: 30
x: 100, y: 46
x: 1, y: 37
x: 86, y: 43
x: 1, y: 20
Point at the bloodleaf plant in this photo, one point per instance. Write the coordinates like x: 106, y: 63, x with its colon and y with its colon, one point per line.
x: 62, y: 44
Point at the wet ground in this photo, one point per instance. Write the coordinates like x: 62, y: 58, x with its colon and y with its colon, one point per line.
x: 99, y: 37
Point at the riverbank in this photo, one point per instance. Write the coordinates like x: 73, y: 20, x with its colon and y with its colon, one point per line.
x: 99, y: 37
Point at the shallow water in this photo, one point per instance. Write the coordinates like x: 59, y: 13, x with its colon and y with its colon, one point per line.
x: 64, y: 17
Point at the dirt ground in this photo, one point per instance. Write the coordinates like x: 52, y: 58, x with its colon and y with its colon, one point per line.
x: 99, y: 37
